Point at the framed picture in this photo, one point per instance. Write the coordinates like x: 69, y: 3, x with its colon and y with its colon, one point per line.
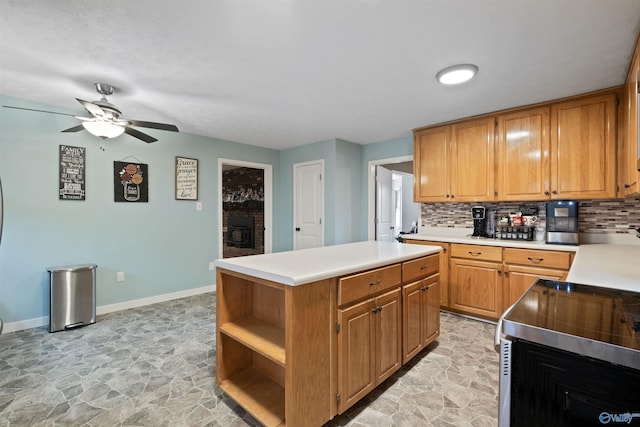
x: 130, y: 182
x: 186, y: 178
x: 72, y: 173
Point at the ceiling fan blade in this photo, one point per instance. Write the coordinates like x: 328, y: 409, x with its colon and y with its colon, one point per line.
x: 154, y: 125
x: 93, y: 109
x: 40, y: 111
x: 74, y: 129
x: 137, y: 134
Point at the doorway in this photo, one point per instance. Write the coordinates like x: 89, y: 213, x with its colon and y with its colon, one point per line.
x: 245, y: 213
x: 398, y: 205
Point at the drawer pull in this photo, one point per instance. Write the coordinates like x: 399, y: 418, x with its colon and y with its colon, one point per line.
x: 377, y: 282
x: 475, y: 253
x: 423, y: 267
x: 424, y: 288
x: 535, y: 260
x: 376, y: 309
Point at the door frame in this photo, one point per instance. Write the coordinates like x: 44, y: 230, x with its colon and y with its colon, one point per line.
x: 371, y: 191
x: 268, y: 201
x: 295, y: 218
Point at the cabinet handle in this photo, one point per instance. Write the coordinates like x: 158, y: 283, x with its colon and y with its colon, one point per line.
x: 546, y: 193
x: 376, y: 309
x: 422, y: 267
x: 475, y: 253
x: 424, y: 288
x: 499, y: 271
x: 554, y: 192
x: 377, y: 282
x: 447, y: 196
x: 535, y: 260
x: 506, y: 273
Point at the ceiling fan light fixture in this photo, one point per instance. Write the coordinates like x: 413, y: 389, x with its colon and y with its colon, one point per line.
x: 103, y: 129
x: 456, y: 74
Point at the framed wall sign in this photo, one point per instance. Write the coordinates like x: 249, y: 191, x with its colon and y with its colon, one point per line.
x: 72, y: 174
x: 130, y: 182
x: 186, y: 178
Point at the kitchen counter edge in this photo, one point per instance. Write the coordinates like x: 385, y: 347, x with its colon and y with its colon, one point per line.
x: 303, y: 266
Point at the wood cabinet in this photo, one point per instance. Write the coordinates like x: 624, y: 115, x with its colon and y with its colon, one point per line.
x: 369, y: 347
x: 455, y: 162
x: 630, y: 153
x: 475, y: 280
x: 564, y: 149
x: 420, y: 315
x: 443, y: 270
x: 522, y: 267
x: 267, y: 335
x: 523, y: 155
x: 583, y: 148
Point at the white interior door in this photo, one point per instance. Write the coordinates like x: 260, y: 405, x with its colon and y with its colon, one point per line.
x: 384, y: 205
x: 308, y: 205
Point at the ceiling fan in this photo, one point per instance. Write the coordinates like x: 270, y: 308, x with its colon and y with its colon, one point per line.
x: 105, y: 121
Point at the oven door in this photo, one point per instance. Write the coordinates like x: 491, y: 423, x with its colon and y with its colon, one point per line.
x: 544, y: 386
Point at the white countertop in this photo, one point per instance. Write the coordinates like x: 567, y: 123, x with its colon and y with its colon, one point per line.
x: 607, y: 265
x: 310, y: 265
x: 467, y: 239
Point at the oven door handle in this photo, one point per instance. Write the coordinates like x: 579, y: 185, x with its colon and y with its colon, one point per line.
x: 498, y: 333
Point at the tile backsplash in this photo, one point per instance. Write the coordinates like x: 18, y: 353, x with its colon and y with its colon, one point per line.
x: 596, y: 216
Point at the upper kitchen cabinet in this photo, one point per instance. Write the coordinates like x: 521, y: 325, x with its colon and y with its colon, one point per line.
x: 523, y: 155
x: 583, y: 148
x: 455, y: 162
x: 630, y: 157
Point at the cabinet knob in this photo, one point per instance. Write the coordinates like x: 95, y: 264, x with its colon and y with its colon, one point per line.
x: 377, y: 282
x: 546, y: 193
x: 554, y: 192
x: 499, y: 271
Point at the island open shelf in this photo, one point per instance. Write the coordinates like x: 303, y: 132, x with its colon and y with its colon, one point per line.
x: 274, y: 348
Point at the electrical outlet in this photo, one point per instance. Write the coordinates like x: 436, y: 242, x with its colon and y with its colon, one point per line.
x: 212, y: 266
x: 120, y: 276
x: 198, y: 206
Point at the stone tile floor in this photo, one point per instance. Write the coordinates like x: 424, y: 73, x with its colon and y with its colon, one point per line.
x: 155, y: 366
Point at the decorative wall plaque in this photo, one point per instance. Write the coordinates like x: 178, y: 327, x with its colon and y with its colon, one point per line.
x: 130, y: 182
x: 72, y: 173
x: 186, y: 178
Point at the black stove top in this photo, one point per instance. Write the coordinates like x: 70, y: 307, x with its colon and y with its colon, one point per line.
x: 593, y: 321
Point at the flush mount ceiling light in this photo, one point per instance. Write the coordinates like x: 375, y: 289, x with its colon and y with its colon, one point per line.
x: 456, y: 74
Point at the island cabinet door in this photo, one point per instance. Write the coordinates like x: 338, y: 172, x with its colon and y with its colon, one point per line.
x: 356, y: 360
x: 369, y: 347
x: 420, y: 315
x: 388, y: 334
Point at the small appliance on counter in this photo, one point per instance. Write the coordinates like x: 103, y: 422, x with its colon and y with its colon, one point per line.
x: 562, y: 222
x: 479, y: 214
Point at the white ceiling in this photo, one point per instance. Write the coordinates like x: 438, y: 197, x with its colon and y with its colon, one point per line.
x: 283, y: 73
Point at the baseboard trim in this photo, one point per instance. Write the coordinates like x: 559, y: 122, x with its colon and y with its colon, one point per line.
x: 110, y: 308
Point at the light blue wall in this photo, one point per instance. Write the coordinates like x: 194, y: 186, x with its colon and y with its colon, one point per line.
x: 163, y: 246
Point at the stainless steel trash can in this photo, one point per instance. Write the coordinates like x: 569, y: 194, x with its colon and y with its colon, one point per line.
x: 73, y: 296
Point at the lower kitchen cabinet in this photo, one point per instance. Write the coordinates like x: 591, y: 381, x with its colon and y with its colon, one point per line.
x: 476, y: 287
x: 369, y: 346
x: 420, y: 315
x: 524, y: 266
x: 475, y: 280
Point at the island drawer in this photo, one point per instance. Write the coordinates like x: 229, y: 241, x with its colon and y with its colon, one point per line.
x: 478, y: 252
x: 539, y: 258
x: 369, y: 283
x: 420, y: 267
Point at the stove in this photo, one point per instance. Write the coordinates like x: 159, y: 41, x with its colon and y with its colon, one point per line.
x: 570, y: 356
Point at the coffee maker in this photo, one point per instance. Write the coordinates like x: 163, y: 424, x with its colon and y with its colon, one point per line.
x: 479, y: 214
x: 562, y: 222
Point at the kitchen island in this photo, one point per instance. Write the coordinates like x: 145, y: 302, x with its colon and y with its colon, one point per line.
x: 303, y: 335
